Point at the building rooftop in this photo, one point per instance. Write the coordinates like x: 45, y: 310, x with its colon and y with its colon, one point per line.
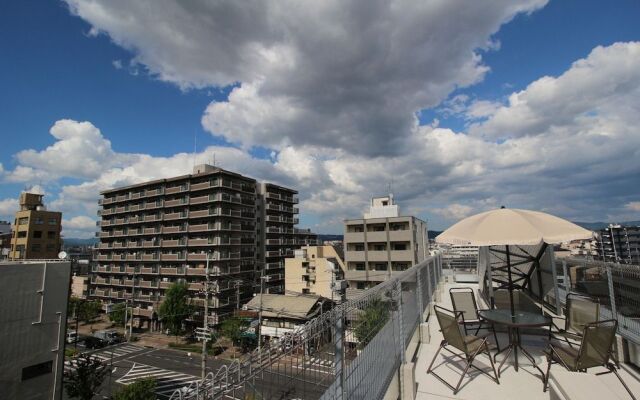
x: 284, y: 306
x: 522, y: 385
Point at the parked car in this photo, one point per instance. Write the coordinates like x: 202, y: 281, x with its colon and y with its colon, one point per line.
x: 110, y: 336
x: 72, y: 337
x: 92, y: 342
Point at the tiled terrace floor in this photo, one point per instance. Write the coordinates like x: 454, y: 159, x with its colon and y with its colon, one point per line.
x: 522, y: 385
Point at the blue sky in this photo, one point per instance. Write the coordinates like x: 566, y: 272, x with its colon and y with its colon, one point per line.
x: 134, y: 88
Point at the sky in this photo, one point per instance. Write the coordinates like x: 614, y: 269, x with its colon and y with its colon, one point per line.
x: 457, y: 107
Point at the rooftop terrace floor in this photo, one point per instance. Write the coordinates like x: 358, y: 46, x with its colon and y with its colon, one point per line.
x: 526, y: 384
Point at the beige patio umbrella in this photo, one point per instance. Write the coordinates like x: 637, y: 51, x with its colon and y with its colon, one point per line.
x: 507, y: 227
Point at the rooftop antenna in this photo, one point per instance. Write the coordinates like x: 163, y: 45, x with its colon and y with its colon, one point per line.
x: 195, y: 147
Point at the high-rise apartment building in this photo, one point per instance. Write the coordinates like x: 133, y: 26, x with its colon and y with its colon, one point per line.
x: 619, y: 243
x: 33, y: 316
x: 315, y: 270
x: 156, y: 233
x: 382, y: 243
x: 276, y: 233
x: 36, y: 234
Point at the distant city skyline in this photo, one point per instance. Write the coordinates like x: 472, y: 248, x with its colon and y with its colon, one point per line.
x: 528, y: 104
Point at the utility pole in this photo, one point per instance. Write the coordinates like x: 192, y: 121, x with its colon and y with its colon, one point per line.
x: 262, y: 278
x: 133, y: 297
x: 75, y: 313
x: 237, y: 284
x: 126, y: 315
x: 205, y: 320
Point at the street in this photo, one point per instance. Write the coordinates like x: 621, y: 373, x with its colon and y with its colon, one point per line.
x: 172, y: 369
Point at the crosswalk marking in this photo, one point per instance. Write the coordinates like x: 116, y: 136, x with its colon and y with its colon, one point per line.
x: 118, y: 351
x: 320, y: 361
x: 166, y: 381
x: 105, y: 355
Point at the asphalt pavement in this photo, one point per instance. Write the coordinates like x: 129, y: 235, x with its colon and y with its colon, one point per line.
x: 128, y: 362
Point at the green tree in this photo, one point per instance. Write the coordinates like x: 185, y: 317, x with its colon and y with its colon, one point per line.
x: 83, y: 381
x: 140, y: 390
x: 373, y: 317
x: 232, y: 328
x: 89, y: 311
x: 175, y: 308
x: 117, y: 314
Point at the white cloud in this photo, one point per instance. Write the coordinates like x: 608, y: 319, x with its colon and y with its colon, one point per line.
x: 633, y: 206
x: 8, y: 208
x: 595, y: 89
x: 454, y: 211
x: 80, y: 151
x: 347, y: 74
x: 117, y: 64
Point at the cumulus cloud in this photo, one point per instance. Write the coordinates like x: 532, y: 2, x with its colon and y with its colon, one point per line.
x: 454, y: 211
x: 347, y: 74
x: 594, y: 88
x: 80, y: 151
x: 633, y: 206
x: 8, y: 208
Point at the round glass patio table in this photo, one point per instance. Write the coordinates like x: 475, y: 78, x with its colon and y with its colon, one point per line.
x: 514, y: 322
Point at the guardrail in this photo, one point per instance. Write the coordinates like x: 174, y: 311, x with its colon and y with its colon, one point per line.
x: 351, y: 352
x: 617, y: 286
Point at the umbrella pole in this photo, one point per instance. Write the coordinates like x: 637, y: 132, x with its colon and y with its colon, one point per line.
x: 510, y: 281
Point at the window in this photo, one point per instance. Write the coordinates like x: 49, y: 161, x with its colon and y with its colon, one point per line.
x: 53, y: 221
x: 361, y: 285
x: 360, y: 267
x: 37, y: 234
x: 399, y: 246
x: 39, y: 221
x: 381, y: 267
x: 23, y: 221
x: 22, y: 234
x: 36, y: 370
x: 36, y: 247
x: 51, y: 247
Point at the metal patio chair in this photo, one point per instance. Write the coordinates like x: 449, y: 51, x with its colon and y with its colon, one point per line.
x: 464, y: 301
x: 580, y: 310
x: 469, y: 345
x: 595, y: 351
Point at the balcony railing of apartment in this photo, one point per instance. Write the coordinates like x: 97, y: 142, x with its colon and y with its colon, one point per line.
x: 368, y: 354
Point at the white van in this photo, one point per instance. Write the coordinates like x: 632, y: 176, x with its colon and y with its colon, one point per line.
x: 72, y: 336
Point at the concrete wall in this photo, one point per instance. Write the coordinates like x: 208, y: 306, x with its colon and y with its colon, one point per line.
x: 33, y: 314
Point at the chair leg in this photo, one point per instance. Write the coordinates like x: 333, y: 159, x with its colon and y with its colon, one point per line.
x: 466, y: 368
x: 613, y: 369
x: 436, y: 356
x: 493, y: 367
x: 545, y: 378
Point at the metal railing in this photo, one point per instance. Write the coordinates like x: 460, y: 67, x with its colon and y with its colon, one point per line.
x: 616, y: 286
x: 350, y: 352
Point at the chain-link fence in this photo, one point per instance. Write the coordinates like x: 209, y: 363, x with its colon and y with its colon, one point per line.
x: 350, y: 352
x: 616, y: 286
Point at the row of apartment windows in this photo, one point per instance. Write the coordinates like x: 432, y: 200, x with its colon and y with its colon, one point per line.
x: 37, y: 221
x: 156, y: 190
x: 36, y: 247
x: 380, y: 246
x: 395, y: 266
x: 37, y: 234
x: 394, y: 226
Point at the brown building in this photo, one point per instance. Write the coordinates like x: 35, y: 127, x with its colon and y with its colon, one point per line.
x: 36, y: 234
x: 276, y: 233
x: 159, y: 232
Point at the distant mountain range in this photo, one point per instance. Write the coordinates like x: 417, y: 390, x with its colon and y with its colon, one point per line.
x: 594, y: 226
x: 79, y: 242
